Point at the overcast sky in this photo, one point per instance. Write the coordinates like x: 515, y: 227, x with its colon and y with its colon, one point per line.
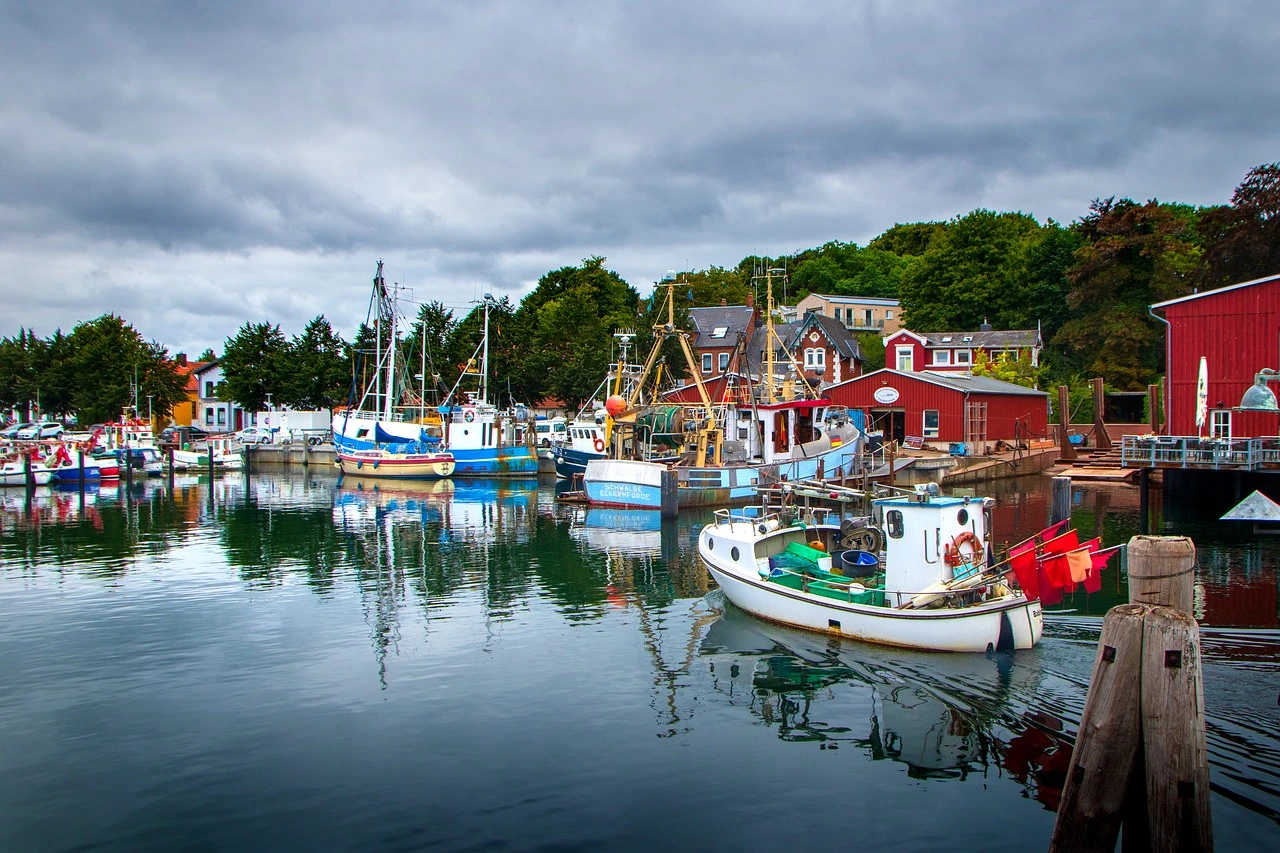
x: 195, y: 166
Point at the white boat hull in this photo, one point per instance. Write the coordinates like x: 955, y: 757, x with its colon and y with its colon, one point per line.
x: 1006, y: 622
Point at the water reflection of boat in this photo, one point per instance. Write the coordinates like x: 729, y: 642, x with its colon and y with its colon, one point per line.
x: 474, y: 510
x: 943, y: 716
x: 627, y: 531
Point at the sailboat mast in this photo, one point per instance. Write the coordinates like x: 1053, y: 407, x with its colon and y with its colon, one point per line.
x: 484, y: 361
x: 379, y: 290
x: 391, y: 356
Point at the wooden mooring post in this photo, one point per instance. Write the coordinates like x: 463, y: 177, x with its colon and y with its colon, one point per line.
x: 1140, y: 759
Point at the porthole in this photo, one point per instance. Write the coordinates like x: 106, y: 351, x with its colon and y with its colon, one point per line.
x: 733, y: 554
x: 711, y: 544
x: 962, y: 516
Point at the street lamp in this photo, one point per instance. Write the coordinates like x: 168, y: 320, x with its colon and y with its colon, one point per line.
x: 1258, y: 397
x: 150, y: 419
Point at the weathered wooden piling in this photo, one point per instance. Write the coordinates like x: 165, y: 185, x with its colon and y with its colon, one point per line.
x: 1140, y: 758
x: 1161, y: 571
x: 1060, y: 507
x: 1093, y: 800
x: 1173, y: 732
x: 1065, y: 450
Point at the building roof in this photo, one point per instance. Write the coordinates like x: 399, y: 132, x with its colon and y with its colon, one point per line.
x: 857, y: 300
x: 759, y: 337
x: 1216, y: 291
x: 989, y: 340
x: 720, y: 325
x: 964, y: 382
x: 835, y: 332
x: 191, y: 370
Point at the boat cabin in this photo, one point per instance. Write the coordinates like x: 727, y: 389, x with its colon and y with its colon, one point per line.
x: 930, y: 539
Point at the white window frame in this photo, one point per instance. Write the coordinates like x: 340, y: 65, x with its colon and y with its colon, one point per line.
x: 1220, y: 424
x: 904, y: 358
x: 706, y: 362
x: 724, y: 361
x: 888, y: 314
x: 926, y: 430
x: 942, y: 357
x: 964, y: 356
x: 815, y: 358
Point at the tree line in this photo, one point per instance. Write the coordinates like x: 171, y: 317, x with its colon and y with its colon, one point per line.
x: 1086, y: 285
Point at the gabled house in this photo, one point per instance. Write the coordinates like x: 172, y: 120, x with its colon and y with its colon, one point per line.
x: 825, y: 350
x: 212, y: 413
x: 910, y: 352
x: 855, y: 313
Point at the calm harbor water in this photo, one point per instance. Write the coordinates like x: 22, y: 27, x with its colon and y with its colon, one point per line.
x: 294, y: 663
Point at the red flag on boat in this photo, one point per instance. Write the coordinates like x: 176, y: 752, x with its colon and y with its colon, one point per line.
x: 1053, y: 564
x: 1052, y: 531
x: 1098, y: 561
x: 1022, y: 559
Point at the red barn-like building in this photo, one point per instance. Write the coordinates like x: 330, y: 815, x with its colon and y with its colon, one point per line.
x: 1236, y: 329
x: 943, y: 408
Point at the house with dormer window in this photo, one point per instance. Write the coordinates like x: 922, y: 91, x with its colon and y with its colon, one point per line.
x: 720, y: 332
x: 911, y: 352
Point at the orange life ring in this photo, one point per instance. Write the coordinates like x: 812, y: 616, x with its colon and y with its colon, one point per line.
x: 599, y: 444
x: 952, y: 553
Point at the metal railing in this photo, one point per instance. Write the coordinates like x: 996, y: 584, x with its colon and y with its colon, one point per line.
x: 1193, y: 452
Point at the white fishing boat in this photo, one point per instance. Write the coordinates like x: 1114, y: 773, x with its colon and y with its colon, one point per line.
x: 14, y: 473
x: 929, y: 588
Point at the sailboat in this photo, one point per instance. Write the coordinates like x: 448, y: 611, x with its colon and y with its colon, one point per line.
x: 376, y: 437
x: 720, y: 452
x: 482, y: 438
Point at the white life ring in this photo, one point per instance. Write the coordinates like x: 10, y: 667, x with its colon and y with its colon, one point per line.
x: 599, y: 444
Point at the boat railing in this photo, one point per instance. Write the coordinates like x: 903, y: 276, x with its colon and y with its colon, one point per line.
x: 1171, y: 451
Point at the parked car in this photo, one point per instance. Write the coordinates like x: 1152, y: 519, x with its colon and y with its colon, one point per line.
x: 182, y: 435
x: 254, y: 435
x: 44, y: 429
x: 12, y: 430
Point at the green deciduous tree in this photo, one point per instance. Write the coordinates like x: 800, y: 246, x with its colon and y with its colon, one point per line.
x: 844, y: 269
x: 255, y: 363
x: 316, y: 368
x: 1133, y: 256
x: 100, y: 363
x: 975, y: 270
x: 1243, y: 239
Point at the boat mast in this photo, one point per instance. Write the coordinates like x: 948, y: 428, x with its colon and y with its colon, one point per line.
x: 484, y: 360
x: 769, y: 334
x: 391, y: 353
x: 378, y: 292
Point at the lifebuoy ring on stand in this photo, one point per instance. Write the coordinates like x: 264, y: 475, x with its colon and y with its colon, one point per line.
x: 599, y: 444
x: 955, y: 557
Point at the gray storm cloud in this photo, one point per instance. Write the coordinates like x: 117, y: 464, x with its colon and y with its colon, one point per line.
x: 196, y: 166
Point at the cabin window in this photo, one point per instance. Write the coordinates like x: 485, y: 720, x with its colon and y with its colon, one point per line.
x: 1220, y: 423
x: 706, y: 362
x: 905, y: 359
x: 893, y: 523
x: 815, y: 359
x: 964, y: 356
x: 724, y: 361
x: 942, y: 356
x: 930, y: 423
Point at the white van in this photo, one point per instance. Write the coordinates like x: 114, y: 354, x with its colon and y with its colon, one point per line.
x: 549, y: 432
